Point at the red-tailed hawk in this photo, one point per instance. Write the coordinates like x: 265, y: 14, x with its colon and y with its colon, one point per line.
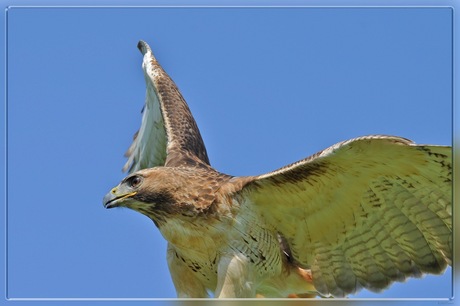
x: 361, y: 214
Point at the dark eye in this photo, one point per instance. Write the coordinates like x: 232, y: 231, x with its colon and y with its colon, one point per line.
x: 134, y: 181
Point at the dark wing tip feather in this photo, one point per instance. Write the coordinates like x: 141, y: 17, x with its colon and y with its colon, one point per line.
x: 144, y: 47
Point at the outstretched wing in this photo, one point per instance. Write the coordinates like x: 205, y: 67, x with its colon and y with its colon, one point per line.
x: 364, y: 212
x: 168, y: 135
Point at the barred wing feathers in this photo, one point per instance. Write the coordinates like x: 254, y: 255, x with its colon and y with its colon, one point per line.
x: 363, y: 213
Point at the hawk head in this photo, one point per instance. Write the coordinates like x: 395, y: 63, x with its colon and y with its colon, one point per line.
x: 163, y: 193
x: 150, y: 192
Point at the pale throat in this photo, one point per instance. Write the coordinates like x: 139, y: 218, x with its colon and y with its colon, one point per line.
x: 193, y: 237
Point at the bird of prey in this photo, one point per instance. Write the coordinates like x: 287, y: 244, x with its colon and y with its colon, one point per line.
x: 362, y: 213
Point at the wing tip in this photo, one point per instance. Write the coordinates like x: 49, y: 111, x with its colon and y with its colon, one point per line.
x: 143, y: 47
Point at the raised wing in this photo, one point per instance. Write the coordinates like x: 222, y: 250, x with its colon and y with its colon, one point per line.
x: 363, y: 213
x: 168, y: 135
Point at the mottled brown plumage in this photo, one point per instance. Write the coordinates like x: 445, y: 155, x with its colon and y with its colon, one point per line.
x: 361, y: 214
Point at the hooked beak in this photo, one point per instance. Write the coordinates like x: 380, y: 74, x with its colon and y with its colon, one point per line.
x: 116, y: 197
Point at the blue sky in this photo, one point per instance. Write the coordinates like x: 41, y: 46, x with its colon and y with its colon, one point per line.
x: 267, y: 86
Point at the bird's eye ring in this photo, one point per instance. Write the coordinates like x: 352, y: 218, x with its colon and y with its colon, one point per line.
x: 134, y: 181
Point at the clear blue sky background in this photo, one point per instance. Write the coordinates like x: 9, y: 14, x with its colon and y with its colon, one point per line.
x: 267, y: 87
